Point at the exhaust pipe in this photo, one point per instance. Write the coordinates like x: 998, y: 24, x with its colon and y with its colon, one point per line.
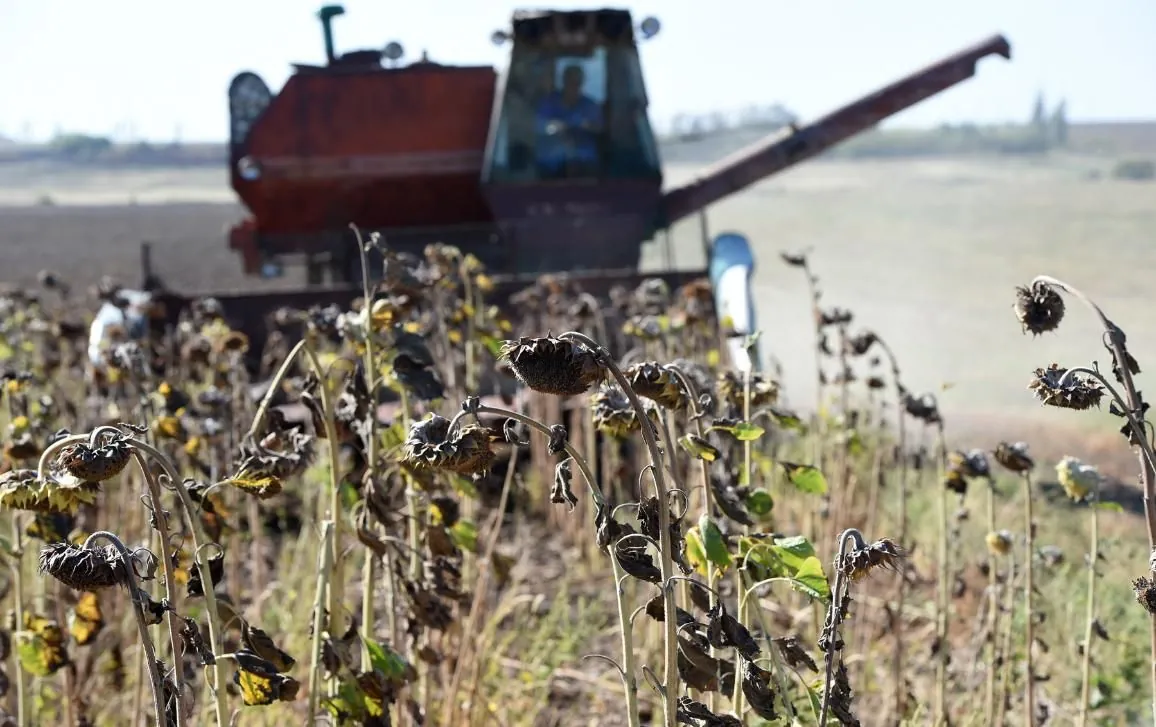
x: 731, y: 265
x: 327, y: 14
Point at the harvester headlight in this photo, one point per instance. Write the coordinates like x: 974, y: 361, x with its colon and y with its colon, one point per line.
x: 650, y: 27
x: 249, y: 169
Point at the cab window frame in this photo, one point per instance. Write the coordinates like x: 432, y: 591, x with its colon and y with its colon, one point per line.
x: 613, y: 79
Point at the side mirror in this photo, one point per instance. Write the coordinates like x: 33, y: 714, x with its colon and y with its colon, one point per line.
x: 731, y: 265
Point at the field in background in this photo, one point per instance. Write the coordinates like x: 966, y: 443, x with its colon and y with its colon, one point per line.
x: 925, y: 252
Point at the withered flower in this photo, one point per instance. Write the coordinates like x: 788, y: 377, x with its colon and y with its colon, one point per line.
x: 282, y: 454
x: 999, y: 543
x: 972, y: 464
x: 858, y: 563
x: 1014, y: 457
x: 20, y: 489
x: 613, y: 413
x: 1039, y: 308
x: 1077, y: 392
x: 96, y: 464
x: 732, y: 389
x: 552, y: 365
x: 795, y: 260
x: 1145, y: 590
x: 834, y: 317
x: 954, y: 480
x: 657, y: 383
x: 861, y: 344
x: 1077, y: 478
x: 466, y: 451
x: 83, y: 569
x: 923, y: 408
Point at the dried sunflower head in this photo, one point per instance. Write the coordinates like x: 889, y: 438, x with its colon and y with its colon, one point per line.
x: 83, y: 569
x: 732, y: 389
x: 21, y: 489
x: 1145, y: 590
x: 657, y: 383
x: 468, y: 450
x: 972, y: 464
x: 923, y: 408
x: 859, y: 345
x: 999, y: 543
x: 1076, y: 392
x: 552, y: 365
x: 1039, y: 308
x: 858, y: 563
x: 614, y: 414
x: 1077, y: 478
x: 1014, y: 457
x: 99, y: 463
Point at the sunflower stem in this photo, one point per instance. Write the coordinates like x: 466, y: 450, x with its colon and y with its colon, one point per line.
x: 142, y: 627
x: 1029, y: 615
x: 18, y: 595
x: 370, y: 366
x: 162, y: 530
x: 203, y: 568
x: 943, y: 600
x: 666, y: 547
x: 993, y: 615
x: 1093, y: 557
x: 324, y: 567
x: 834, y: 617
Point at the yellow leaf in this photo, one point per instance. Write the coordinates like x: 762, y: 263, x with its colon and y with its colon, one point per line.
x: 86, y: 619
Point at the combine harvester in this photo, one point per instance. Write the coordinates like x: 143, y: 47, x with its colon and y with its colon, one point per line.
x: 423, y: 152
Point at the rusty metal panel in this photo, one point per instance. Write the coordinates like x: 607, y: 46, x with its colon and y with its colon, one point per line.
x: 375, y: 146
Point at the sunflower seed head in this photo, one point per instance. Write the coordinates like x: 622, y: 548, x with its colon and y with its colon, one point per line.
x: 83, y: 569
x: 1073, y: 392
x: 553, y: 365
x: 1039, y: 308
x: 468, y: 450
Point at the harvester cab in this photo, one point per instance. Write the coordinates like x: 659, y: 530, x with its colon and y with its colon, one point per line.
x: 572, y: 170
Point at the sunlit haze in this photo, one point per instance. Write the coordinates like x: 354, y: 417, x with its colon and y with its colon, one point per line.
x: 158, y: 71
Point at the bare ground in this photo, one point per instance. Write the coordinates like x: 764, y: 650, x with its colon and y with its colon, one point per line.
x: 925, y: 253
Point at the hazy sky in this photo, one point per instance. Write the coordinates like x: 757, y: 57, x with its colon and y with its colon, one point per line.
x: 155, y: 69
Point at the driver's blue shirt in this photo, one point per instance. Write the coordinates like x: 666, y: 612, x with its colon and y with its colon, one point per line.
x: 577, y: 145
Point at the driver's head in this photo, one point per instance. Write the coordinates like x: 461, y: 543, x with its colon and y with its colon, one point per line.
x: 572, y: 80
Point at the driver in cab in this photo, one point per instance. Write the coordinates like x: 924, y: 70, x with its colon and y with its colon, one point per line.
x: 568, y: 124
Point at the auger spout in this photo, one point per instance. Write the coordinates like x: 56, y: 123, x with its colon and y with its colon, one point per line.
x: 787, y: 147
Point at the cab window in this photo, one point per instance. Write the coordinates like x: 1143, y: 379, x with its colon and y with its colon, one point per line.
x: 571, y: 115
x: 553, y: 117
